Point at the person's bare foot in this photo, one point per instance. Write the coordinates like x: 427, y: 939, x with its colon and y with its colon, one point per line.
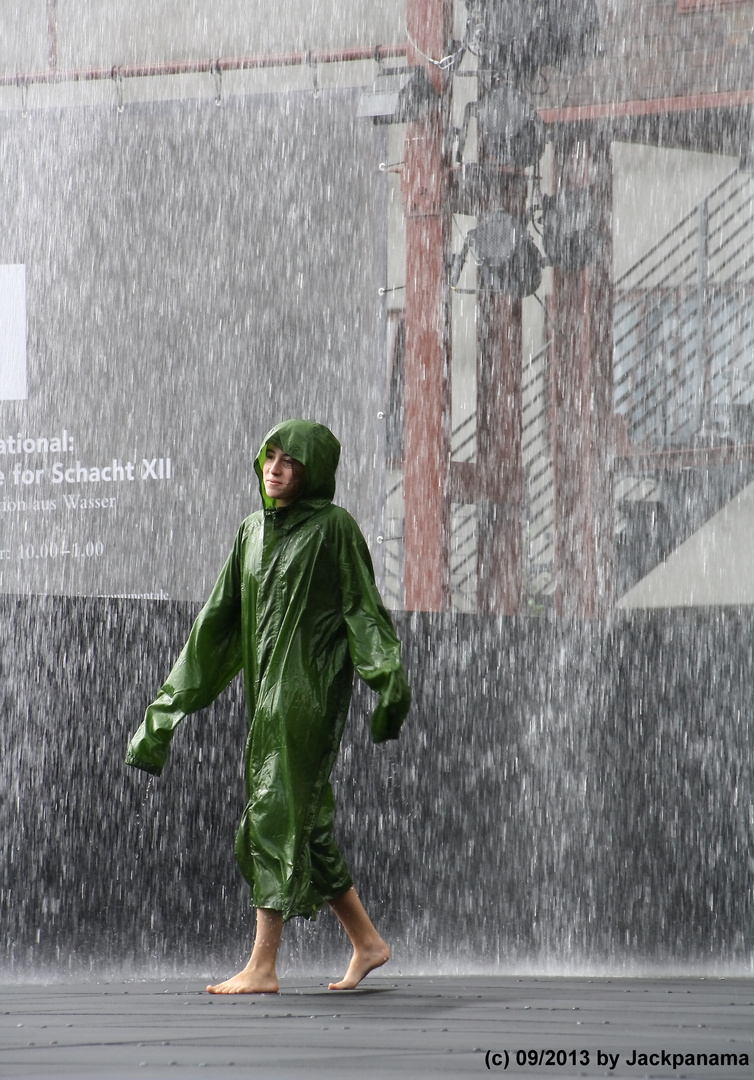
x: 248, y: 981
x: 362, y: 962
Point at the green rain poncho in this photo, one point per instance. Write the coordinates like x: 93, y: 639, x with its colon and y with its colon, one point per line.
x: 297, y: 608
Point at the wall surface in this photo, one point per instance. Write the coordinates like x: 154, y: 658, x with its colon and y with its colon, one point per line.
x: 87, y: 33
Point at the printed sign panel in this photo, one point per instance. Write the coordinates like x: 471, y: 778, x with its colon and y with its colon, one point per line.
x: 12, y: 333
x: 178, y: 278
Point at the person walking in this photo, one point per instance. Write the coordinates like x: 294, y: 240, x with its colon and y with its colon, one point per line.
x: 297, y: 609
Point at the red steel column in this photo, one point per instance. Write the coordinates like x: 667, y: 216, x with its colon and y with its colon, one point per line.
x: 427, y: 367
x: 582, y: 385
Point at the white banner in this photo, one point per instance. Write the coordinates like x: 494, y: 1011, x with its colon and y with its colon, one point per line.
x: 13, y: 382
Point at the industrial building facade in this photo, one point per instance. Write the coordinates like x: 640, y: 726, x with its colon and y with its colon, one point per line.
x: 561, y: 353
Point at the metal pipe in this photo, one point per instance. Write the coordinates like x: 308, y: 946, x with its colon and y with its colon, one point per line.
x: 615, y: 110
x: 199, y: 67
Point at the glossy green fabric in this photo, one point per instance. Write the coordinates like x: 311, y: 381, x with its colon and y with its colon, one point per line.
x: 297, y: 609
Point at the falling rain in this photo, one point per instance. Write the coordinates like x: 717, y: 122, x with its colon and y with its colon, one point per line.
x: 502, y: 249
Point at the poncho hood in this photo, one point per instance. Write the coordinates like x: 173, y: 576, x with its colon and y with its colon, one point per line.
x: 315, y: 446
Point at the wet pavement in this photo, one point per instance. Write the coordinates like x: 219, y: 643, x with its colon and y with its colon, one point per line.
x: 464, y: 1026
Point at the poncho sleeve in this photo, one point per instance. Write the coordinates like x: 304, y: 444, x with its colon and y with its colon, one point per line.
x: 212, y: 656
x: 372, y: 641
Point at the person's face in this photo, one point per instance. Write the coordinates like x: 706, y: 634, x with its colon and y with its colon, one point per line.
x: 283, y: 476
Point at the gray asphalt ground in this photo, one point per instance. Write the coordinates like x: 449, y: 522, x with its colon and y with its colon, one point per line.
x: 391, y: 1027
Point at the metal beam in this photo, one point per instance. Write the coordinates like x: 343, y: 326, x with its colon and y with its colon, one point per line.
x: 582, y: 399
x: 499, y: 415
x: 616, y: 110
